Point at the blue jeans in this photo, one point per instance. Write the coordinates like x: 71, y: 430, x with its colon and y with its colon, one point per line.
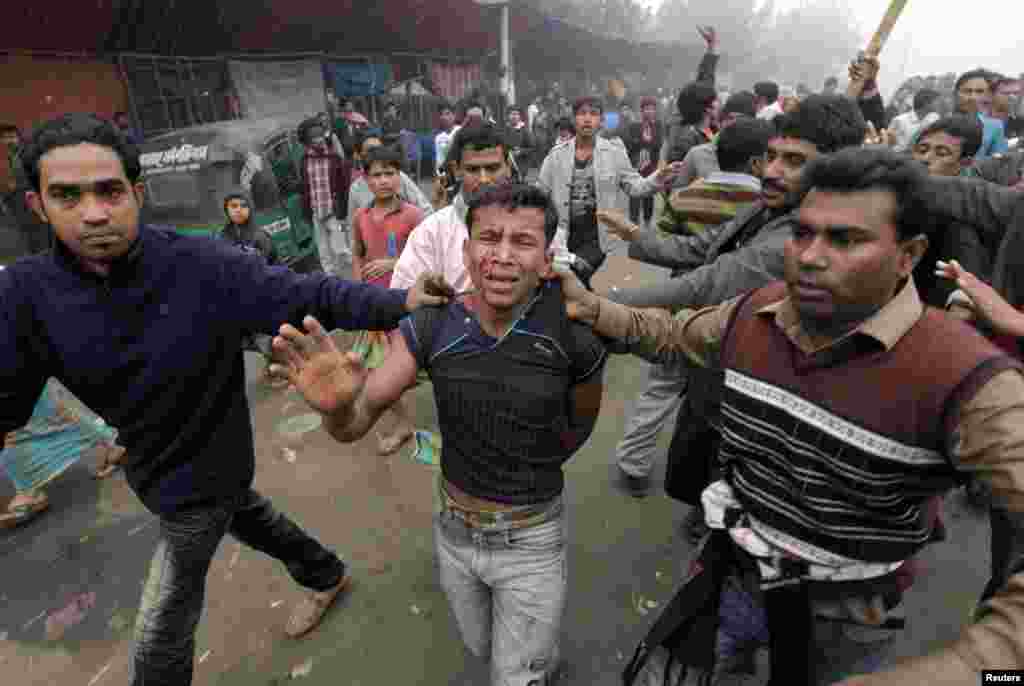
x: 172, y: 599
x: 506, y: 588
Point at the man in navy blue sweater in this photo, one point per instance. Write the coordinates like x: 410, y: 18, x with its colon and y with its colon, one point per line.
x: 145, y: 326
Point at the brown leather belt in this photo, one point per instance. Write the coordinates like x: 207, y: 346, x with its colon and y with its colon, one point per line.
x: 516, y: 518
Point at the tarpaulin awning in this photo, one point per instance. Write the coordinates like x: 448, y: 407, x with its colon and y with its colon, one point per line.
x: 287, y: 89
x: 351, y: 79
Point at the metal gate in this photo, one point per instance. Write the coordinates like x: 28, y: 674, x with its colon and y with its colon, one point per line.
x: 167, y: 93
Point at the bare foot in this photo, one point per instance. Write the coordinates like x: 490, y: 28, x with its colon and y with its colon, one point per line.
x: 387, y: 445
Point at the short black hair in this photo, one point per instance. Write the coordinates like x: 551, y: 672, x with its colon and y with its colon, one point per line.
x: 365, y: 135
x: 513, y: 196
x: 741, y: 102
x: 743, y: 142
x: 963, y: 126
x: 587, y: 101
x: 74, y: 129
x: 830, y: 122
x: 925, y: 97
x: 305, y: 126
x: 473, y: 104
x: 445, y: 107
x: 565, y: 124
x: 694, y: 100
x: 477, y: 137
x: 864, y: 169
x: 978, y: 73
x: 8, y: 128
x: 769, y: 90
x: 387, y: 155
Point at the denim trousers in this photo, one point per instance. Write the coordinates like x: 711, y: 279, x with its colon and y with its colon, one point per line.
x: 172, y: 598
x: 506, y: 587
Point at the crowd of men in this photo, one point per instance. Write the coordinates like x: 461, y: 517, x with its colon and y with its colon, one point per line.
x: 837, y: 340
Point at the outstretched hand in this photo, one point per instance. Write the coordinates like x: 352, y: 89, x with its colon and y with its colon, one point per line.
x: 988, y: 305
x: 326, y: 378
x: 618, y: 224
x: 709, y: 35
x: 664, y: 176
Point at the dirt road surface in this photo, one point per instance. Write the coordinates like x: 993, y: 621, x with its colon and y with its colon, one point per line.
x: 72, y: 579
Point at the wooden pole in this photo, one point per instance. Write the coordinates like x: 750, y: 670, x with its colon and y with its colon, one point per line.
x: 885, y: 27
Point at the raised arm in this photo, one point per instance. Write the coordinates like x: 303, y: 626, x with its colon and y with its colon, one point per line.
x: 708, y: 63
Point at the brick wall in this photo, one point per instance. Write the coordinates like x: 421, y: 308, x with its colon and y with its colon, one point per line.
x: 34, y: 88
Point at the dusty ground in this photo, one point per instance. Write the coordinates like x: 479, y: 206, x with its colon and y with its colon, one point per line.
x: 71, y: 580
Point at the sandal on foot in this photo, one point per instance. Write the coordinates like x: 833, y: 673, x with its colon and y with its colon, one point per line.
x: 22, y: 514
x: 308, y: 613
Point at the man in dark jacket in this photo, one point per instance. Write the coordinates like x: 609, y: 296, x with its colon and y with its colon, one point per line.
x: 519, y: 139
x: 696, y: 106
x: 725, y: 261
x: 145, y: 326
x: 643, y: 143
x: 947, y: 148
x: 326, y: 178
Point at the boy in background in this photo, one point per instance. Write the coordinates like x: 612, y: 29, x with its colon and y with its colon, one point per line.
x: 379, y: 233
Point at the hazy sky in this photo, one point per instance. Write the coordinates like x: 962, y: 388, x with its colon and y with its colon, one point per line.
x: 939, y: 36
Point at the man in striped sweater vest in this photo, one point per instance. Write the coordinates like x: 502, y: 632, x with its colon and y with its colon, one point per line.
x: 710, y: 267
x: 846, y: 405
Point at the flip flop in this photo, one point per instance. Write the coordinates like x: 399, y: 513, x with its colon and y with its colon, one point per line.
x: 22, y: 514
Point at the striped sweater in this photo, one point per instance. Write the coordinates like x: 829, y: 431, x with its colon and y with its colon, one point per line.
x: 840, y: 452
x: 707, y: 202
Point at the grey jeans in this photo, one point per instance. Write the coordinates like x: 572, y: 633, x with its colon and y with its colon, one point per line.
x: 172, y: 599
x: 654, y: 406
x: 506, y: 588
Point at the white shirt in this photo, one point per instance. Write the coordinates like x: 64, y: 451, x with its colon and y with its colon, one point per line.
x: 442, y: 142
x: 436, y: 246
x: 531, y: 114
x: 905, y: 128
x: 770, y: 112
